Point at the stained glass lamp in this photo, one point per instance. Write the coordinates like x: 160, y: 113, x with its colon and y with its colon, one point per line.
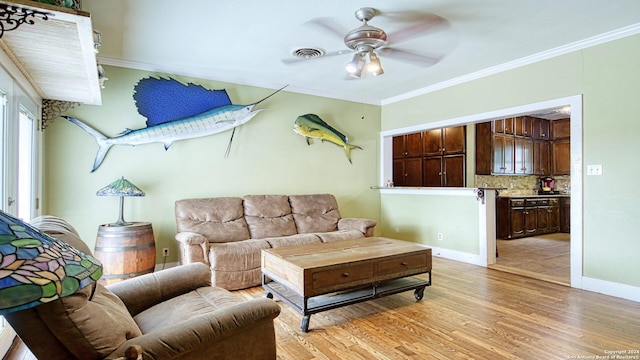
x: 121, y: 187
x: 36, y: 268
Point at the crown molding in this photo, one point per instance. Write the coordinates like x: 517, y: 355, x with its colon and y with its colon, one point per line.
x: 527, y: 60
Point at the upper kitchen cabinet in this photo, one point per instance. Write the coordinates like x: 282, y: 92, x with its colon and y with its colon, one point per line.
x: 408, y: 145
x: 561, y: 129
x: 57, y: 55
x: 523, y: 126
x: 561, y: 147
x: 445, y: 141
x: 431, y: 158
x: 541, y: 129
x: 535, y: 147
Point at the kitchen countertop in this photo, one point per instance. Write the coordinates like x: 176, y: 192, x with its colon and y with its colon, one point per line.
x: 533, y: 196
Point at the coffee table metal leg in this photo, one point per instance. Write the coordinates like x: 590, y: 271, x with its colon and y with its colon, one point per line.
x: 304, y: 324
x: 268, y: 295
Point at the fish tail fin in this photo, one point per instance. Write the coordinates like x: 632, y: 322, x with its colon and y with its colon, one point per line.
x: 348, y: 148
x: 102, y: 152
x: 103, y: 146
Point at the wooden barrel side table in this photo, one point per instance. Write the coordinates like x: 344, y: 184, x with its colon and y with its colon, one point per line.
x: 125, y: 251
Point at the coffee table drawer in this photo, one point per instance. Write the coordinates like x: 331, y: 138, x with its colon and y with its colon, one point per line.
x: 401, y: 265
x: 341, y: 276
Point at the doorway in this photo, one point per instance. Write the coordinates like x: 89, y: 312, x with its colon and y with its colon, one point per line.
x: 550, y: 244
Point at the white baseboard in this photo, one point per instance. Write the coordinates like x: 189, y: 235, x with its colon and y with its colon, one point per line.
x: 611, y: 288
x: 458, y: 256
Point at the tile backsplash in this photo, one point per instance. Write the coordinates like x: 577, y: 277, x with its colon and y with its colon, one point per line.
x: 520, y: 185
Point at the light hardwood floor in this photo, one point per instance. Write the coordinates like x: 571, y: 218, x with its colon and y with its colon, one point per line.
x: 545, y: 257
x: 470, y: 312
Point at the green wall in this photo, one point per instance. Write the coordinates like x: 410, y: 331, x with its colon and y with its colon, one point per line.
x: 266, y: 157
x: 608, y: 77
x: 419, y: 218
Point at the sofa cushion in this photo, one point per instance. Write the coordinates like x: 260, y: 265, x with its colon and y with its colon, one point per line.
x: 184, y: 307
x: 218, y: 219
x: 299, y: 239
x: 234, y: 256
x: 339, y: 235
x: 315, y: 213
x: 268, y: 216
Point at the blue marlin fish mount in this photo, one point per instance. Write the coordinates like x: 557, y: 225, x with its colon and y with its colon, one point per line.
x: 175, y: 111
x: 311, y: 126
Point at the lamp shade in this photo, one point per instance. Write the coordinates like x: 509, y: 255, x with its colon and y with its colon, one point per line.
x: 36, y: 268
x: 121, y: 187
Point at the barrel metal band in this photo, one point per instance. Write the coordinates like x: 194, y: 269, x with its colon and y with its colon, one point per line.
x: 121, y: 248
x: 126, y: 276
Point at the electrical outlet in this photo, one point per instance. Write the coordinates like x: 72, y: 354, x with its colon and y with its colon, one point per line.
x: 594, y: 170
x: 397, y: 229
x: 440, y: 236
x: 165, y: 252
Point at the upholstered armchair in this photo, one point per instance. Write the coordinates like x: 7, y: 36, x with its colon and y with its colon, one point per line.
x: 170, y: 314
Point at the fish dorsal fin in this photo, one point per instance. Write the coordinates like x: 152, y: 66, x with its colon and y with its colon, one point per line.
x: 125, y: 132
x: 166, y: 100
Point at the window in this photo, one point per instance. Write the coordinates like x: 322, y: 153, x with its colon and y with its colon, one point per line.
x: 19, y: 163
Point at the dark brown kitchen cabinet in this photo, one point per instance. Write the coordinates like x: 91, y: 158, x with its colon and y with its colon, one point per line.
x: 565, y: 215
x: 407, y: 145
x: 503, y: 160
x: 541, y: 157
x: 541, y: 129
x: 561, y: 157
x: 441, y: 171
x: 523, y: 156
x: 523, y: 126
x: 438, y: 160
x: 528, y: 216
x: 407, y: 172
x: 504, y: 126
x: 561, y: 129
x: 445, y: 141
x: 484, y: 148
x: 444, y: 163
x: 528, y: 151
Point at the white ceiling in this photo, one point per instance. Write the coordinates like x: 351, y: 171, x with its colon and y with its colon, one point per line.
x: 245, y: 41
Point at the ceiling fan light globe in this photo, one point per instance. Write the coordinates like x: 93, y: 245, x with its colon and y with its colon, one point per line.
x: 377, y: 72
x: 374, y: 67
x: 355, y: 65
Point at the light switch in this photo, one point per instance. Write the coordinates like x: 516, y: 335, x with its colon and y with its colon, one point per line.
x: 594, y: 170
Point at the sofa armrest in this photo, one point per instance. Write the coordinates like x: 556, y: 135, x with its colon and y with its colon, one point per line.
x: 145, y: 291
x: 365, y: 226
x: 193, y: 247
x: 207, y: 331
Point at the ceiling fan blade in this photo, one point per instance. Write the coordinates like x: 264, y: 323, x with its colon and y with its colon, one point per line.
x: 426, y: 23
x: 299, y: 60
x: 408, y: 56
x: 329, y: 26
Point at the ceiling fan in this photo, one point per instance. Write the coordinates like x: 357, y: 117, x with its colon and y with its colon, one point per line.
x: 369, y: 42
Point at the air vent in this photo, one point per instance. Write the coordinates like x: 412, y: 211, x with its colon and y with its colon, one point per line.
x: 308, y: 53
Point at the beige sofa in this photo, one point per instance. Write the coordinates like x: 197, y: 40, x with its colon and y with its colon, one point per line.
x: 228, y: 233
x: 171, y: 314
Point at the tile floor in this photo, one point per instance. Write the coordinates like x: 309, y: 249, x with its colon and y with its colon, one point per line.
x: 545, y: 257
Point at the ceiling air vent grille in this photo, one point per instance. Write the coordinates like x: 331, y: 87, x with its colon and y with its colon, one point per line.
x: 308, y: 53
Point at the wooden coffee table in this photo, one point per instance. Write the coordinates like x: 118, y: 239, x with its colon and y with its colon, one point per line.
x: 351, y: 271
